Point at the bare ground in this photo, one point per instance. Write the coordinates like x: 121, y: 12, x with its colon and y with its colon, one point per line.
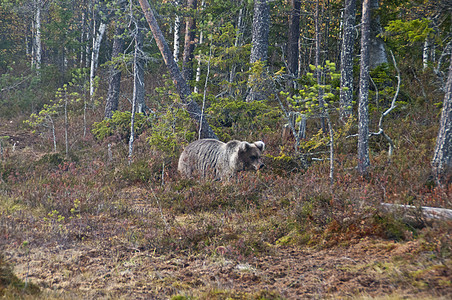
x: 106, y: 265
x: 106, y: 269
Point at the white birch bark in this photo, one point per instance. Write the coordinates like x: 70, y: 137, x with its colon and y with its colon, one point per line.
x: 238, y: 39
x: 177, y: 22
x: 138, y: 74
x: 33, y: 51
x: 82, y: 36
x: 87, y: 50
x: 95, y: 57
x: 425, y: 53
x: 198, y: 68
x: 37, y: 36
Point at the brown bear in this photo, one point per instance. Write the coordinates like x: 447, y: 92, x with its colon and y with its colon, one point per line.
x: 221, y: 160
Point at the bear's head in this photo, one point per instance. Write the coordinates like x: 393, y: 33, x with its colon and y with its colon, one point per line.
x: 250, y: 155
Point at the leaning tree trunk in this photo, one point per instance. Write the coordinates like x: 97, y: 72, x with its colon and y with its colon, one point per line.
x: 442, y: 158
x: 182, y: 87
x: 189, y: 46
x: 363, y: 110
x: 95, y: 57
x: 294, y: 35
x: 348, y: 41
x: 259, y: 49
x: 114, y: 85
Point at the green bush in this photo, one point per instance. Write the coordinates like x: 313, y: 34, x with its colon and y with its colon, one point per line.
x: 170, y: 131
x: 120, y: 124
x: 232, y: 117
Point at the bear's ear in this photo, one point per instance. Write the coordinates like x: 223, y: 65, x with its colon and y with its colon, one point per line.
x: 244, y: 146
x: 260, y: 145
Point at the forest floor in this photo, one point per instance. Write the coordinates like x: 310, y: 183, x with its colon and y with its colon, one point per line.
x: 370, y: 267
x: 104, y: 251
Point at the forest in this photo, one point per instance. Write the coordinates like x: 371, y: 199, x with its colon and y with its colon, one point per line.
x: 353, y: 100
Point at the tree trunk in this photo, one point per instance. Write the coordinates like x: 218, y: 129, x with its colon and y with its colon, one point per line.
x: 293, y: 37
x: 114, y: 85
x: 182, y: 87
x: 318, y: 71
x: 425, y: 53
x: 82, y: 37
x: 377, y: 51
x: 189, y: 46
x: 198, y: 68
x: 37, y: 46
x: 348, y: 41
x: 261, y: 27
x: 442, y: 158
x: 238, y: 39
x: 138, y: 74
x: 176, y: 43
x: 95, y: 57
x: 259, y: 49
x: 363, y: 110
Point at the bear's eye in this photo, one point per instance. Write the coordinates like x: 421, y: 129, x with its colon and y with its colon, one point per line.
x: 253, y: 157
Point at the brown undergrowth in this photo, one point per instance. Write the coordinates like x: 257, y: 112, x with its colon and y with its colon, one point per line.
x: 91, y: 225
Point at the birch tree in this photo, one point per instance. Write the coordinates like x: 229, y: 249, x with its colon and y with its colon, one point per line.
x: 182, y: 87
x: 97, y: 39
x: 442, y: 157
x: 348, y: 41
x: 138, y: 70
x: 363, y: 109
x: 176, y: 29
x: 37, y: 45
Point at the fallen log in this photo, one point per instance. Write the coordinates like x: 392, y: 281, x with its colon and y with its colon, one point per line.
x: 432, y: 213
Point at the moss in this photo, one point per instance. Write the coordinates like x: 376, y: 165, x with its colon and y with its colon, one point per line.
x: 12, y: 286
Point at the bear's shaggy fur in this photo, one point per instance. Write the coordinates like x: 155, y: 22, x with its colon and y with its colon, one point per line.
x: 221, y: 160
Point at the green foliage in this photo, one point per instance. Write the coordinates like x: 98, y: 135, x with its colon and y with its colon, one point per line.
x: 139, y: 171
x: 307, y: 100
x: 225, y: 56
x: 230, y: 117
x: 119, y: 124
x: 20, y: 93
x: 285, y: 164
x: 408, y: 32
x: 383, y: 89
x: 171, y: 129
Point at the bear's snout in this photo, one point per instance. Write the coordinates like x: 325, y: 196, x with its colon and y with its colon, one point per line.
x: 259, y: 166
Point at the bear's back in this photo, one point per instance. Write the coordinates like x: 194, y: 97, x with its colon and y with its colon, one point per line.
x: 202, y: 156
